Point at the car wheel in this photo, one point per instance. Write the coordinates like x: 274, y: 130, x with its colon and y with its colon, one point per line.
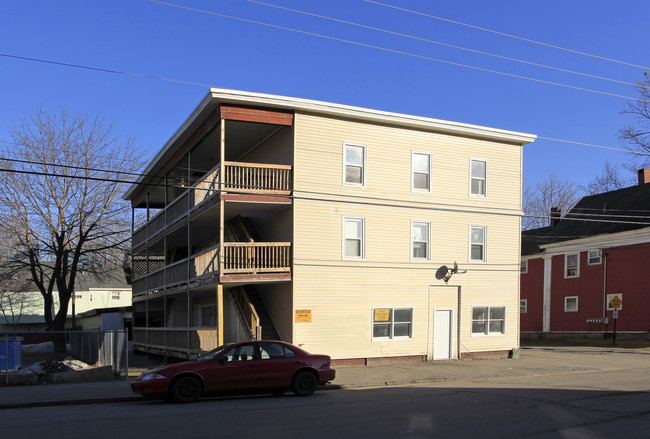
x: 185, y: 389
x: 304, y: 384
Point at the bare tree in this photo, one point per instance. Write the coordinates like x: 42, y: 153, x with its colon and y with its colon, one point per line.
x: 552, y: 192
x: 610, y: 179
x: 636, y: 137
x: 60, y: 201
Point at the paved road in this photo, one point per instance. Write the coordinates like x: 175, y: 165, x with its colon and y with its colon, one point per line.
x: 613, y: 402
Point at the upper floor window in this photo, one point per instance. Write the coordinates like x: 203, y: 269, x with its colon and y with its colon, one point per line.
x: 477, y: 244
x: 524, y: 266
x: 594, y: 257
x: 115, y: 295
x: 572, y: 265
x: 421, y: 169
x: 354, y: 171
x: 420, y: 240
x: 488, y: 320
x: 478, y: 178
x: 523, y: 306
x: 353, y: 238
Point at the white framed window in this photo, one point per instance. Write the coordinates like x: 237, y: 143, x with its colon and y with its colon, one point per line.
x: 354, y: 164
x: 78, y: 296
x: 478, y: 178
x: 594, y: 257
x: 477, y: 245
x: 392, y: 323
x: 609, y: 299
x: 523, y: 306
x: 421, y: 172
x: 90, y: 297
x: 572, y: 265
x: 488, y: 320
x: 524, y: 266
x: 420, y: 240
x: 354, y: 231
x: 115, y: 295
x: 571, y: 304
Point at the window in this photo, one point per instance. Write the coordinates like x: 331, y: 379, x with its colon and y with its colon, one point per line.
x: 572, y: 265
x: 90, y: 297
x: 205, y: 315
x: 421, y: 168
x: 571, y: 304
x: 478, y: 178
x: 488, y: 320
x: 477, y: 244
x: 420, y: 240
x: 245, y: 352
x: 389, y: 323
x: 354, y: 164
x: 78, y: 296
x: 524, y: 266
x: 594, y: 257
x: 115, y: 295
x: 353, y: 238
x: 270, y: 350
x: 523, y: 306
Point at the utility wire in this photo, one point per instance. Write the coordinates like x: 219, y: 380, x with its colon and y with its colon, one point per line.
x: 399, y: 52
x: 448, y: 45
x: 372, y: 201
x: 509, y: 35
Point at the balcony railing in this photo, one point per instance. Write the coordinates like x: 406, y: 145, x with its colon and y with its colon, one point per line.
x: 239, y: 177
x: 188, y: 340
x: 256, y: 257
x: 251, y: 258
x: 259, y: 178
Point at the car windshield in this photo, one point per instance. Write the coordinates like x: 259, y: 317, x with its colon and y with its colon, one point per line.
x: 213, y: 353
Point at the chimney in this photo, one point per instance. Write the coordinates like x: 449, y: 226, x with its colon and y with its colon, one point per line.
x: 644, y: 176
x: 556, y: 213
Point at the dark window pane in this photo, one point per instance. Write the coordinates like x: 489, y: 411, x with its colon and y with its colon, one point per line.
x: 381, y: 330
x: 402, y: 330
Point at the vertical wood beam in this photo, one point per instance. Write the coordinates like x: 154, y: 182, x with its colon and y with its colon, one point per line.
x: 219, y: 314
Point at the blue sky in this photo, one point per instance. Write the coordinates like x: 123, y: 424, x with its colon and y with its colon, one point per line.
x: 142, y: 37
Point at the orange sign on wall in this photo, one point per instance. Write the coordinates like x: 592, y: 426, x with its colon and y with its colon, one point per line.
x: 303, y: 316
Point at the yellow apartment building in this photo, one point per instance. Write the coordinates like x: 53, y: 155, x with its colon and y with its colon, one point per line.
x: 332, y: 227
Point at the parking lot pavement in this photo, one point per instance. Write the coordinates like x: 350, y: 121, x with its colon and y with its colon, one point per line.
x: 531, y: 362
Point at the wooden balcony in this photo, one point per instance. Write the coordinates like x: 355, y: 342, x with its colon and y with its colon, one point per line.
x: 246, y: 260
x: 239, y: 178
x: 187, y: 342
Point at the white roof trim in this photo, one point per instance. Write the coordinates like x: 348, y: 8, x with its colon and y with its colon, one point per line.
x: 225, y: 96
x: 630, y: 237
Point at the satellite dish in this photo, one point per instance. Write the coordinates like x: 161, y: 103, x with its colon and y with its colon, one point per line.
x: 445, y: 273
x: 441, y: 273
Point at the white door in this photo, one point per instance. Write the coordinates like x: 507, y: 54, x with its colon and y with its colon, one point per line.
x: 442, y: 334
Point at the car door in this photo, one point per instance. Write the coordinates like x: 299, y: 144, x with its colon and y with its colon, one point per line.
x: 235, y: 369
x: 276, y: 364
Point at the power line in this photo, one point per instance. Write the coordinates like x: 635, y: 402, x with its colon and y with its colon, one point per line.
x: 399, y: 52
x: 447, y: 45
x: 508, y: 35
x: 592, y: 145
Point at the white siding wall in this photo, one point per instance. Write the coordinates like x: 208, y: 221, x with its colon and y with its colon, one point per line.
x: 342, y: 293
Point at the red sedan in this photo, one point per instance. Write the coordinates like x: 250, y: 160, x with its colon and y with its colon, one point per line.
x: 246, y: 366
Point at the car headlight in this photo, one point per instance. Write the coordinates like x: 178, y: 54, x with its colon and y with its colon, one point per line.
x: 153, y: 376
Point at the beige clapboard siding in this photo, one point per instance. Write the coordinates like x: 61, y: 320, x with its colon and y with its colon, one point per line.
x: 319, y: 162
x: 342, y: 293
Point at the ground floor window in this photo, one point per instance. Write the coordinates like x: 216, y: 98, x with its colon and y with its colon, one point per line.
x: 523, y: 306
x: 205, y: 315
x: 571, y: 303
x: 389, y: 323
x: 488, y: 320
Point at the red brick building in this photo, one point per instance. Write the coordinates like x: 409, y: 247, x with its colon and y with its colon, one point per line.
x: 571, y: 270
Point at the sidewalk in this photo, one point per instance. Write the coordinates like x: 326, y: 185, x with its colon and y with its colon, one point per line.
x: 532, y: 361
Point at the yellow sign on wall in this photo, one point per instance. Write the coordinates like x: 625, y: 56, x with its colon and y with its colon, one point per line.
x: 303, y: 316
